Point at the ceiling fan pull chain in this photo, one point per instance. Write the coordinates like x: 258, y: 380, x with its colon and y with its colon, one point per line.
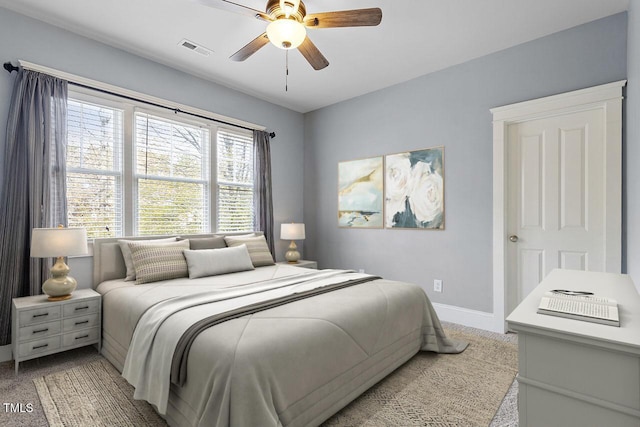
x: 286, y: 76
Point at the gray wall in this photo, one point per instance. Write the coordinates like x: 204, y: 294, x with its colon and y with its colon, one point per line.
x: 449, y: 108
x: 33, y: 41
x: 632, y: 146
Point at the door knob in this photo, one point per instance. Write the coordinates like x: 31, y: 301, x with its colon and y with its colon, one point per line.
x: 513, y: 238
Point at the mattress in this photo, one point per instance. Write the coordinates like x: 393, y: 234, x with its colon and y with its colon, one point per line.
x: 293, y: 365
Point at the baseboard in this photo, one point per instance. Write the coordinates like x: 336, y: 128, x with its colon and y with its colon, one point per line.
x: 467, y: 317
x: 5, y: 353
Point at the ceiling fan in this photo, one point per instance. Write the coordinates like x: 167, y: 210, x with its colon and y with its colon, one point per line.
x: 288, y: 21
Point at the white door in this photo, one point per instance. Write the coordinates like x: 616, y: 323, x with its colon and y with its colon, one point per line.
x: 557, y: 188
x: 556, y: 198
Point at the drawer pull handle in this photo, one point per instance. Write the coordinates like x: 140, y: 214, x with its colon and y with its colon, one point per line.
x: 82, y: 308
x: 81, y: 323
x: 82, y: 336
x: 40, y: 315
x: 40, y: 330
x: 40, y: 346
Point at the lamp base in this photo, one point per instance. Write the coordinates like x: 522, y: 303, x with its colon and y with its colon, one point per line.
x: 60, y: 298
x: 59, y: 286
x: 292, y: 255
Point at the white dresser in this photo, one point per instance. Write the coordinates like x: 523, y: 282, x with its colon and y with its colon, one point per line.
x: 41, y: 327
x: 577, y: 373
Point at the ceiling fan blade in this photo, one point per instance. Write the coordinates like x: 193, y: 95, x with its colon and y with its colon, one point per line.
x: 313, y: 55
x: 252, y: 47
x: 235, y: 7
x: 345, y: 18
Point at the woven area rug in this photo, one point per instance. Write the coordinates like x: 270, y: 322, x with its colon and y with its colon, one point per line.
x: 92, y: 395
x: 430, y: 390
x: 440, y: 390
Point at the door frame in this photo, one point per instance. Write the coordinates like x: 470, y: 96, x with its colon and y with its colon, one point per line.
x: 607, y: 97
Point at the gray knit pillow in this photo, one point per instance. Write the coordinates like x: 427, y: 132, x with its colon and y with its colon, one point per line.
x: 257, y: 246
x: 154, y: 263
x: 199, y: 243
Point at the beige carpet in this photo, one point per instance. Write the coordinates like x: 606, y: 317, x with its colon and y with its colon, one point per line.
x: 429, y: 390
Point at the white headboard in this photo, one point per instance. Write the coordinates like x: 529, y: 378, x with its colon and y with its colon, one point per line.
x: 108, y: 263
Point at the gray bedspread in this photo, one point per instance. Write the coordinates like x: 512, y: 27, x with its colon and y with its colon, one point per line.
x: 181, y: 352
x: 292, y: 365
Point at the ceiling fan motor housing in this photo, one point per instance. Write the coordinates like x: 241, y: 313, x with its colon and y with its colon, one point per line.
x: 276, y: 12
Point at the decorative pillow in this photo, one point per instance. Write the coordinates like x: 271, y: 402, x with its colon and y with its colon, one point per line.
x: 216, y: 242
x: 243, y: 236
x: 257, y: 246
x: 126, y: 253
x: 211, y: 262
x: 164, y: 262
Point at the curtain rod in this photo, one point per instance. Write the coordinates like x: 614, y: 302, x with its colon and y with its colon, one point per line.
x: 10, y: 68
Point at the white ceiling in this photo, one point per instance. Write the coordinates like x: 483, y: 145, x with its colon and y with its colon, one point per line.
x: 415, y: 37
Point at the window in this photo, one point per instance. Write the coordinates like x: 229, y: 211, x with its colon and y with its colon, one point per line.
x: 145, y: 172
x: 172, y: 176
x: 235, y: 181
x: 94, y: 168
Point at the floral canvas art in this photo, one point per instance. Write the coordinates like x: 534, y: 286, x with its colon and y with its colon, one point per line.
x: 414, y: 189
x: 360, y: 193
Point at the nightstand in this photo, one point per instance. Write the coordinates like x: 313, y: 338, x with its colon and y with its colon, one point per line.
x: 301, y: 263
x: 41, y: 327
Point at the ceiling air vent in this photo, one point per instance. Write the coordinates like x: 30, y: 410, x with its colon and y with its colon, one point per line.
x: 195, y: 47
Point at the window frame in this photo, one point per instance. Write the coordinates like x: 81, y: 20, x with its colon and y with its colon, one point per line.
x: 128, y: 203
x: 207, y: 166
x: 120, y: 175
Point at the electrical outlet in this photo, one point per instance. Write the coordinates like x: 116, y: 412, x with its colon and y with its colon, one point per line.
x: 437, y: 285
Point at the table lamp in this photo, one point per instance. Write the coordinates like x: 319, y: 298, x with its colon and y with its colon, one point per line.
x: 293, y: 231
x: 58, y: 243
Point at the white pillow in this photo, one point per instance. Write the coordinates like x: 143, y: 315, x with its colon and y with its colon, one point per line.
x: 211, y: 262
x: 126, y: 253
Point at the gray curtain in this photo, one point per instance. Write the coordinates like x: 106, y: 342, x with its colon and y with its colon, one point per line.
x: 263, y: 203
x: 34, y: 184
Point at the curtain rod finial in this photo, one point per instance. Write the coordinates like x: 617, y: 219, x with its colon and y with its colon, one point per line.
x: 272, y: 134
x: 10, y: 67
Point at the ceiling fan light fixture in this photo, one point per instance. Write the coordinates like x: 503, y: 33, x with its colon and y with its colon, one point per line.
x: 286, y: 33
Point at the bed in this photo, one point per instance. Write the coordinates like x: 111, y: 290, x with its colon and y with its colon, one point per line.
x: 295, y: 360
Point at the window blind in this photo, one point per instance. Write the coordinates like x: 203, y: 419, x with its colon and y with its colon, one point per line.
x: 94, y: 168
x: 235, y: 181
x: 132, y: 170
x: 172, y: 174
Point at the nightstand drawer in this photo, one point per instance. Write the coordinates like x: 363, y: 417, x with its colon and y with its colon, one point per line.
x: 39, y: 331
x: 81, y: 322
x: 44, y: 314
x: 84, y: 337
x: 40, y: 346
x: 82, y: 307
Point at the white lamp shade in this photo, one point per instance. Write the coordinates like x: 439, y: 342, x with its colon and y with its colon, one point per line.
x: 293, y: 231
x: 286, y: 33
x: 57, y: 242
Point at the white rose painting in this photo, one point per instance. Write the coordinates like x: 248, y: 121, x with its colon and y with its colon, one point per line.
x: 414, y: 189
x: 360, y: 193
